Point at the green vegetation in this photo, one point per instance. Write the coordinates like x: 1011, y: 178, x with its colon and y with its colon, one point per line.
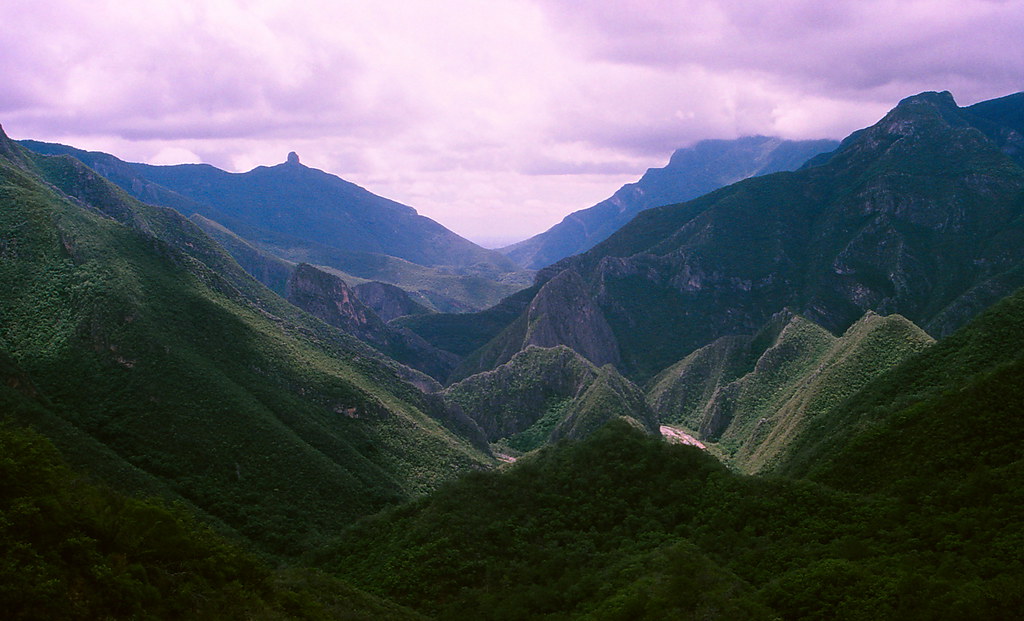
x: 463, y: 333
x: 543, y: 394
x: 76, y: 550
x: 919, y: 215
x: 624, y: 526
x: 754, y: 395
x: 298, y: 214
x: 947, y: 414
x: 169, y: 370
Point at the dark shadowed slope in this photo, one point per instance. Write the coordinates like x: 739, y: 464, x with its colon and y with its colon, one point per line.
x: 691, y: 172
x: 168, y: 368
x: 921, y: 214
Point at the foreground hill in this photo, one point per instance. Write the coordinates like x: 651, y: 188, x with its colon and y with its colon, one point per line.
x: 170, y: 370
x: 77, y: 550
x: 691, y: 172
x: 912, y: 513
x: 921, y: 214
x: 302, y: 214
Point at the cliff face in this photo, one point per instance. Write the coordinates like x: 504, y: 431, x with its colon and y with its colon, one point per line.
x: 330, y: 299
x: 388, y: 301
x: 562, y: 312
x: 921, y: 215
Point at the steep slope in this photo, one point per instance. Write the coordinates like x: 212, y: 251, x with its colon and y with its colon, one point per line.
x: 953, y: 412
x: 76, y: 550
x: 183, y: 372
x: 388, y: 301
x: 912, y: 509
x: 544, y: 394
x: 464, y: 333
x: 622, y: 526
x: 800, y: 372
x: 328, y: 298
x: 691, y: 172
x: 560, y: 313
x: 921, y: 215
x: 270, y: 270
x: 301, y: 214
x: 301, y: 202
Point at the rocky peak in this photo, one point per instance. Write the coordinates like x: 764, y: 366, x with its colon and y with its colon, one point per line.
x: 293, y: 158
x: 563, y: 313
x: 943, y: 99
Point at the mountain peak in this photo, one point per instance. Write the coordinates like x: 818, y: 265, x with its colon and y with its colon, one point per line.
x: 293, y: 158
x: 942, y: 99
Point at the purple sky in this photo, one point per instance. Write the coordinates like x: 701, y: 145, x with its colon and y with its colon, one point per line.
x: 494, y: 117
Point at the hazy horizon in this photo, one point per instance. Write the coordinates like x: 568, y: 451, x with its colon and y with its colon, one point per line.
x: 497, y: 118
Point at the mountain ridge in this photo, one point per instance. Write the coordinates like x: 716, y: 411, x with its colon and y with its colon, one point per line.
x: 920, y: 214
x: 691, y: 172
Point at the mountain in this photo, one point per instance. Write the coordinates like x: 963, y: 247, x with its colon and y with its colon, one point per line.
x: 330, y: 299
x: 560, y: 313
x: 952, y: 413
x: 903, y: 501
x: 302, y: 214
x: 168, y: 370
x: 545, y: 394
x: 691, y: 172
x: 754, y: 394
x: 921, y: 214
x: 388, y: 301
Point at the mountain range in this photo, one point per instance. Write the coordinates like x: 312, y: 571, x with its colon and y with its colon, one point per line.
x: 159, y: 364
x: 303, y: 215
x: 843, y: 342
x: 691, y: 172
x: 920, y: 215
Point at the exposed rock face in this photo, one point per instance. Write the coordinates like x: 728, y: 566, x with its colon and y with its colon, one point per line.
x: 329, y: 298
x: 563, y: 313
x: 921, y: 215
x: 388, y: 301
x: 543, y: 394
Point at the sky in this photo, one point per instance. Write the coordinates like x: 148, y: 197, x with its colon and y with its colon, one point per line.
x: 494, y: 117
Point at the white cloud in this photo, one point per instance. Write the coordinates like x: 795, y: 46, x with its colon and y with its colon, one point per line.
x: 503, y: 113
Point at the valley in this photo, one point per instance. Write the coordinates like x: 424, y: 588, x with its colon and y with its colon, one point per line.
x: 775, y: 380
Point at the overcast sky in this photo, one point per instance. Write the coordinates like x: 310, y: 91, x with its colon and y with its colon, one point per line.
x: 494, y: 117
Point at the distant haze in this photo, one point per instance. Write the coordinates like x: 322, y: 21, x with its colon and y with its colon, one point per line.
x: 495, y: 118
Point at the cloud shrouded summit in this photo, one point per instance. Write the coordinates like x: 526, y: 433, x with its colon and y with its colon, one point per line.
x: 495, y: 118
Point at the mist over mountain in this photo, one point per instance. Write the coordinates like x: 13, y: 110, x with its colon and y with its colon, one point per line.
x: 691, y: 172
x: 216, y: 406
x: 921, y: 214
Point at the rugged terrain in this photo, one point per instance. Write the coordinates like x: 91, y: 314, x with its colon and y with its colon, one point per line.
x: 691, y: 172
x: 921, y: 214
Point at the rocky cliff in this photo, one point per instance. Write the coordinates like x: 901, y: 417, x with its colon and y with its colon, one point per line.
x: 330, y: 299
x: 921, y: 214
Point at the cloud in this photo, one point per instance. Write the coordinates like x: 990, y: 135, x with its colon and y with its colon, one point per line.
x: 472, y: 111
